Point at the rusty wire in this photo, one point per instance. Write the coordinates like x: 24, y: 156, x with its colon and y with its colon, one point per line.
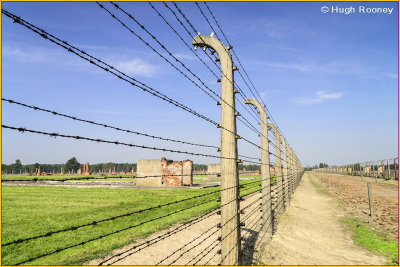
x: 241, y: 93
x: 242, y: 67
x: 108, y: 68
x: 156, y: 93
x: 98, y: 140
x: 234, y: 84
x: 108, y: 234
x: 103, y: 124
x: 119, y: 216
x: 248, y: 124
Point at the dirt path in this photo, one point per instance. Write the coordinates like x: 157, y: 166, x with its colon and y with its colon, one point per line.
x: 309, y: 233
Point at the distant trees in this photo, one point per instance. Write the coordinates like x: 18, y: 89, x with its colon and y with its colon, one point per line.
x: 249, y: 167
x: 72, y: 164
x: 15, y: 167
x: 35, y: 167
x: 323, y: 165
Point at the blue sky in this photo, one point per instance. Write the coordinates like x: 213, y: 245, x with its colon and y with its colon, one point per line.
x: 329, y: 80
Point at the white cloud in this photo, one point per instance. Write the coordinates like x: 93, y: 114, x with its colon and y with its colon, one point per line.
x: 33, y: 55
x: 320, y: 96
x: 299, y: 67
x: 137, y: 67
x: 330, y: 67
x: 185, y: 56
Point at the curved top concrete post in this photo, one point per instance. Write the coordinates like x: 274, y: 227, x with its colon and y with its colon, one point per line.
x: 230, y: 215
x: 257, y: 104
x: 265, y: 165
x: 212, y: 43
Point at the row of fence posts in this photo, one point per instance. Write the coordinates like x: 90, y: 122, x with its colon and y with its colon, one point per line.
x: 386, y: 169
x: 369, y: 190
x: 288, y: 174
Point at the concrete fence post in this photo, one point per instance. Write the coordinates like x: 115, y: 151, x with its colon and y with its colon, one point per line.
x: 230, y: 215
x: 285, y: 173
x: 396, y: 169
x: 362, y: 169
x: 266, y: 207
x: 370, y: 169
x: 292, y: 173
x: 278, y: 169
x: 388, y: 168
x: 370, y: 201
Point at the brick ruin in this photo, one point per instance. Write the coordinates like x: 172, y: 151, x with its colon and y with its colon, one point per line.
x: 163, y: 172
x: 86, y: 169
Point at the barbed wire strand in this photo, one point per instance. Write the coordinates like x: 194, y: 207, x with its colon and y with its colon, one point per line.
x: 115, y: 232
x: 102, y: 124
x: 119, y: 216
x: 174, y: 57
x: 242, y: 67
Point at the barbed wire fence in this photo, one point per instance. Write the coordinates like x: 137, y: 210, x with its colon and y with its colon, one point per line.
x: 386, y: 169
x: 248, y: 210
x: 368, y: 189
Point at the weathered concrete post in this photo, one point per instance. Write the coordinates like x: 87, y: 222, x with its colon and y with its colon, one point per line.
x: 278, y: 169
x: 388, y: 168
x: 362, y: 169
x: 266, y: 207
x: 396, y: 174
x: 292, y: 172
x: 230, y: 218
x: 370, y: 169
x: 370, y: 201
x: 285, y: 172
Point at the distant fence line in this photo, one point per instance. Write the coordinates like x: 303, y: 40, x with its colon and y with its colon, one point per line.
x: 387, y: 169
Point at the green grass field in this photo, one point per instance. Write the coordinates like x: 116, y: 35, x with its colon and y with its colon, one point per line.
x: 374, y: 240
x: 61, y: 177
x: 32, y: 211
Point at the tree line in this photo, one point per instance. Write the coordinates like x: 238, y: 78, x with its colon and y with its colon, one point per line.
x: 73, y: 165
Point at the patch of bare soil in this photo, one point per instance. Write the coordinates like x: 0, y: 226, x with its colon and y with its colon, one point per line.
x: 354, y: 194
x: 310, y: 233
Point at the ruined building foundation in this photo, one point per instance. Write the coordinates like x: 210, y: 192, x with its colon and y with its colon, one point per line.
x: 163, y: 172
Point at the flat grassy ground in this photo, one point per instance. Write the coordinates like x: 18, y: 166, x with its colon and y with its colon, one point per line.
x: 61, y: 177
x: 374, y: 240
x: 32, y: 211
